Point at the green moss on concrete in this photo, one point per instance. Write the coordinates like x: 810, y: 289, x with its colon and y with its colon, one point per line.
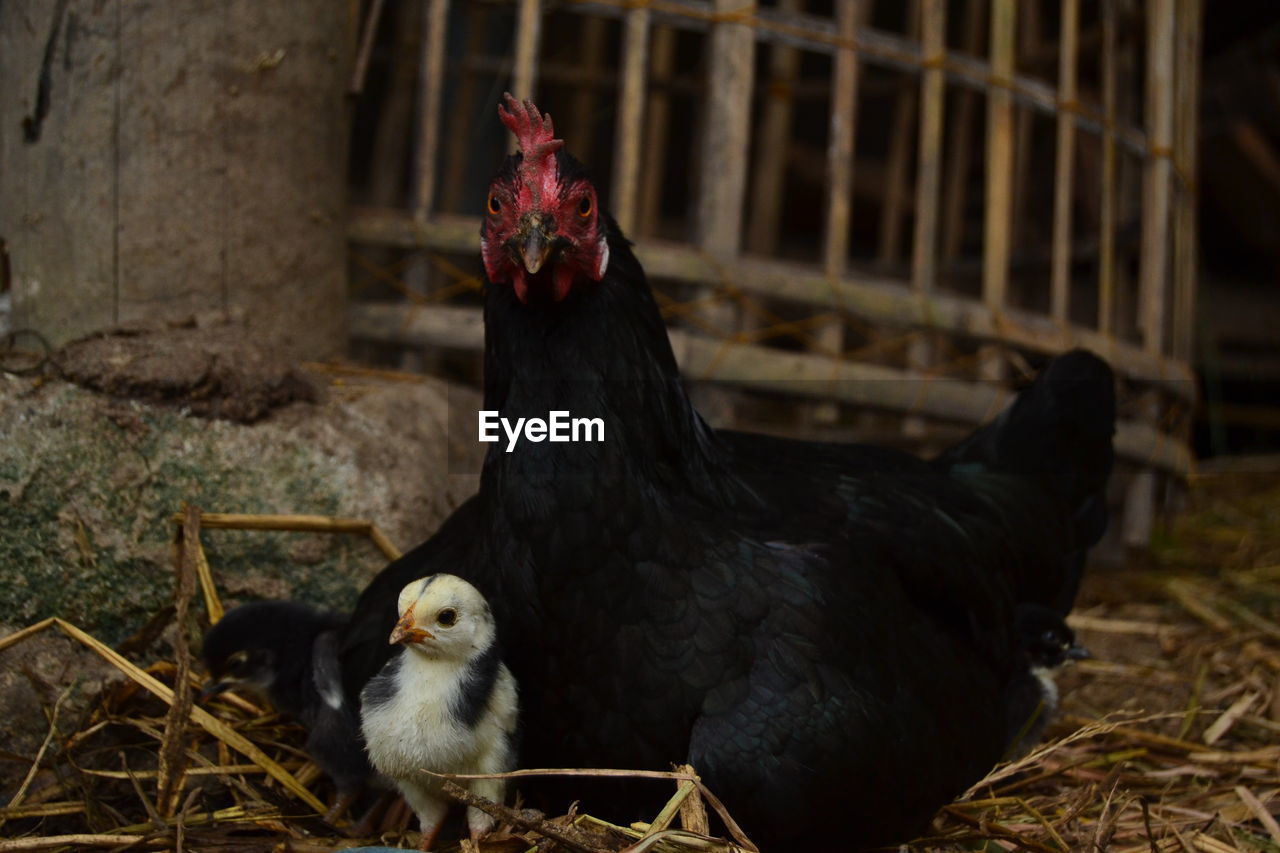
x: 88, y: 487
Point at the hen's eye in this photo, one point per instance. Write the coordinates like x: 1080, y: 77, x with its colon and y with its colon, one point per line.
x: 495, y: 206
x: 584, y: 206
x: 447, y: 617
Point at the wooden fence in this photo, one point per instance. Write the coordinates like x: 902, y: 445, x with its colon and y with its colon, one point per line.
x: 846, y: 231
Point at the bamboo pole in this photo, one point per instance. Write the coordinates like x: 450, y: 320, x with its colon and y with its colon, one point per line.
x: 524, y: 71
x: 842, y: 137
x: 953, y: 218
x: 998, y: 201
x: 726, y: 129
x: 773, y: 142
x: 817, y: 33
x: 722, y: 184
x: 389, y: 182
x: 590, y: 53
x: 880, y: 299
x: 1028, y: 41
x: 1060, y: 281
x: 435, y: 18
x: 1190, y: 22
x: 840, y: 144
x: 662, y: 59
x: 631, y: 99
x: 995, y: 261
x: 1107, y: 211
x: 924, y: 269
x: 456, y: 158
x: 924, y: 249
x: 777, y: 371
x: 1158, y: 174
x: 899, y: 155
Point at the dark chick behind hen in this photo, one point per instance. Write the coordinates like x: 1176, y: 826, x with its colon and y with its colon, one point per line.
x: 288, y: 652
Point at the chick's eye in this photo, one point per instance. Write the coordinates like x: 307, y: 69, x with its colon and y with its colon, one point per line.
x: 447, y: 617
x: 584, y: 206
x: 238, y: 659
x: 495, y: 204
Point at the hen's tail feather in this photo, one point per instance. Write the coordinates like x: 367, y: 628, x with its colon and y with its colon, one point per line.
x: 1058, y: 431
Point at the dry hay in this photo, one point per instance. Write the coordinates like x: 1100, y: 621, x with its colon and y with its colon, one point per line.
x: 1167, y: 739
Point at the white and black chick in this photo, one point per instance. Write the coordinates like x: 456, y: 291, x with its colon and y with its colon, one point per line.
x: 1046, y: 644
x: 446, y: 704
x: 288, y: 652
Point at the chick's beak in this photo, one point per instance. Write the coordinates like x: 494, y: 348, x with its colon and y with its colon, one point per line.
x: 534, y: 243
x: 406, y: 632
x: 213, y: 688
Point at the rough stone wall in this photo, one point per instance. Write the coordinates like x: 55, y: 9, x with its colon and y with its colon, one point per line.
x: 88, y: 484
x: 160, y: 159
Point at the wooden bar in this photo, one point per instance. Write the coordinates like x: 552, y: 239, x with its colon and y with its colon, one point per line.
x: 524, y: 71
x: 430, y: 88
x: 590, y: 55
x: 1028, y: 41
x: 629, y: 133
x: 818, y: 34
x: 998, y: 200
x: 1107, y: 211
x: 1064, y: 164
x: 995, y: 244
x: 366, y: 47
x: 878, y: 299
x: 953, y: 218
x: 1190, y: 23
x: 457, y: 159
x: 1158, y: 175
x: 395, y: 124
x: 899, y: 155
x: 772, y: 145
x: 722, y: 180
x: 924, y: 262
x: 922, y: 351
x: 840, y: 144
x: 726, y: 129
x: 777, y: 371
x: 663, y: 59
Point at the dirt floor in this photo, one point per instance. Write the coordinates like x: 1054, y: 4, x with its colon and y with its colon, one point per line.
x: 1166, y: 740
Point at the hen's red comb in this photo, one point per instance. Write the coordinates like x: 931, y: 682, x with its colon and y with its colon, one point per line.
x: 533, y: 130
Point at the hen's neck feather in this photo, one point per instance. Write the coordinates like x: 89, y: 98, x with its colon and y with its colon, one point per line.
x: 601, y: 352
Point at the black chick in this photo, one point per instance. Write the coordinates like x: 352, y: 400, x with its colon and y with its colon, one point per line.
x: 1046, y: 643
x: 288, y: 652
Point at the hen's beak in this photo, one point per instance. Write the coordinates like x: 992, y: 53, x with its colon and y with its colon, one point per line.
x: 406, y: 632
x: 534, y: 243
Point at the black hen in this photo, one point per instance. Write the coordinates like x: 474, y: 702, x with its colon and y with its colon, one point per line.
x: 826, y: 632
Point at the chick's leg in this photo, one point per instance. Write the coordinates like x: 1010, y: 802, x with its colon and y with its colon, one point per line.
x: 479, y: 824
x: 430, y: 810
x: 497, y: 760
x: 339, y: 807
